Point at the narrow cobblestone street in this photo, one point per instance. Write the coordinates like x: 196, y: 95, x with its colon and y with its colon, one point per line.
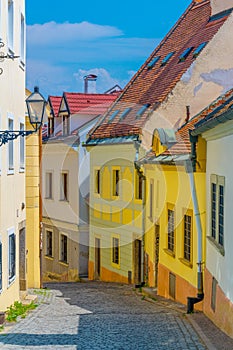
x: 100, y: 316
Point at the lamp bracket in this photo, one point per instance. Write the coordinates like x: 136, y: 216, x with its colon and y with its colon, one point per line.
x: 10, y: 135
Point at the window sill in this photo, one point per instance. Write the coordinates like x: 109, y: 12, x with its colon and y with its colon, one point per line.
x: 49, y: 257
x: 11, y: 281
x: 10, y: 172
x: 138, y: 201
x: 220, y: 248
x: 170, y: 252
x: 64, y: 200
x: 63, y: 263
x: 22, y: 170
x: 49, y: 198
x: 115, y: 197
x: 116, y: 266
x: 186, y: 262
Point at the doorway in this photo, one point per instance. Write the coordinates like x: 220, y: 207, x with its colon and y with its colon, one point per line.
x: 22, y: 260
x: 156, y: 253
x: 137, y: 261
x: 97, y: 258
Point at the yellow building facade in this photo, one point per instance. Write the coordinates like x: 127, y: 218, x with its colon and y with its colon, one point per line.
x: 32, y: 278
x: 116, y: 245
x: 172, y: 233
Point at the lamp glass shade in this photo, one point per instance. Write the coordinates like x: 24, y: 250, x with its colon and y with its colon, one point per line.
x: 36, y: 106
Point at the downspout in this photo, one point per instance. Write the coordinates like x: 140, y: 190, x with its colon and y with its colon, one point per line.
x: 191, y: 168
x: 139, y: 171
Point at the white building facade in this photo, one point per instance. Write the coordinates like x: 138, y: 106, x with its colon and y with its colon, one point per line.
x: 12, y: 163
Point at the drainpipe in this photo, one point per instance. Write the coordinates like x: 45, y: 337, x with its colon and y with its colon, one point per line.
x: 139, y: 171
x: 191, y: 168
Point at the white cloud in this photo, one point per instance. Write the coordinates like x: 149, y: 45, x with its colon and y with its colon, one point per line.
x: 59, y: 55
x: 59, y: 33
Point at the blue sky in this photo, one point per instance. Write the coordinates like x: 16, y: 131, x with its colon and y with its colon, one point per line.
x: 110, y: 39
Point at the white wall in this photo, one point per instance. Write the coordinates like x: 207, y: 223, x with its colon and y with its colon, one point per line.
x: 220, y: 162
x: 210, y: 75
x: 12, y: 185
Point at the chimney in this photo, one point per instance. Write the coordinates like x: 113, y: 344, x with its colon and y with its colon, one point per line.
x: 218, y: 6
x: 87, y: 78
x: 187, y: 114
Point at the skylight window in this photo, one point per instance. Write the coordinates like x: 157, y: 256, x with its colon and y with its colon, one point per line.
x: 167, y: 58
x: 152, y: 63
x: 185, y: 54
x: 125, y: 112
x: 113, y: 115
x: 199, y: 49
x: 142, y: 110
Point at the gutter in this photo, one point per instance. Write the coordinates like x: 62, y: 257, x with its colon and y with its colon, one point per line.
x: 140, y: 173
x: 190, y: 169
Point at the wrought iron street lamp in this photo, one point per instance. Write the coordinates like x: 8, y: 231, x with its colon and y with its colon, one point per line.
x: 36, y: 107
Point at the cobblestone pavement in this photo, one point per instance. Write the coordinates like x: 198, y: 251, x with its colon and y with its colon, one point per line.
x: 94, y: 315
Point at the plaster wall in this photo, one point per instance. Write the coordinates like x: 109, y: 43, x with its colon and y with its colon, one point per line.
x: 209, y: 76
x: 220, y: 5
x: 12, y: 183
x: 110, y: 215
x: 58, y: 157
x: 219, y: 163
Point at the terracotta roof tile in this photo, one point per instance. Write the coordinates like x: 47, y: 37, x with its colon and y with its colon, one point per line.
x: 54, y: 102
x: 217, y: 107
x: 153, y: 85
x: 89, y: 103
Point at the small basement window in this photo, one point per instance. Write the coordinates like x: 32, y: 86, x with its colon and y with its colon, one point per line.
x: 199, y: 49
x: 125, y: 113
x: 152, y: 63
x: 142, y: 110
x: 113, y: 115
x: 185, y: 54
x: 167, y: 58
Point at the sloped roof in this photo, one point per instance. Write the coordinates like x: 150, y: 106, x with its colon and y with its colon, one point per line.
x: 152, y: 86
x: 88, y: 103
x: 54, y: 102
x: 183, y: 146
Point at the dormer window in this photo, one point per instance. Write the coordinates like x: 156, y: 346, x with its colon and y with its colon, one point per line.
x: 66, y: 125
x: 152, y: 63
x: 199, y: 49
x: 113, y: 115
x: 185, y: 54
x: 125, y: 113
x: 142, y: 110
x: 167, y: 58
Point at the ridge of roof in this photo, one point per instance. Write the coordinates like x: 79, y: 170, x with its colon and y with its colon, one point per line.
x: 152, y: 86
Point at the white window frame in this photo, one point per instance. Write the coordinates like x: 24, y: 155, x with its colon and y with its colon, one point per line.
x: 46, y: 239
x: 11, y: 279
x: 21, y: 148
x: 61, y: 255
x: 64, y: 197
x: 49, y: 184
x: 218, y: 181
x: 10, y: 30
x: 10, y: 146
x: 22, y: 38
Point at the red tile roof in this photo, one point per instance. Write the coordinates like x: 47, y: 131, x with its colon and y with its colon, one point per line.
x: 153, y: 85
x: 54, y: 102
x: 217, y: 107
x: 89, y: 103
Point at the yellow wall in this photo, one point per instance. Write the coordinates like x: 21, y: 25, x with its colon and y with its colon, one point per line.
x: 114, y: 216
x: 32, y: 209
x: 172, y: 190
